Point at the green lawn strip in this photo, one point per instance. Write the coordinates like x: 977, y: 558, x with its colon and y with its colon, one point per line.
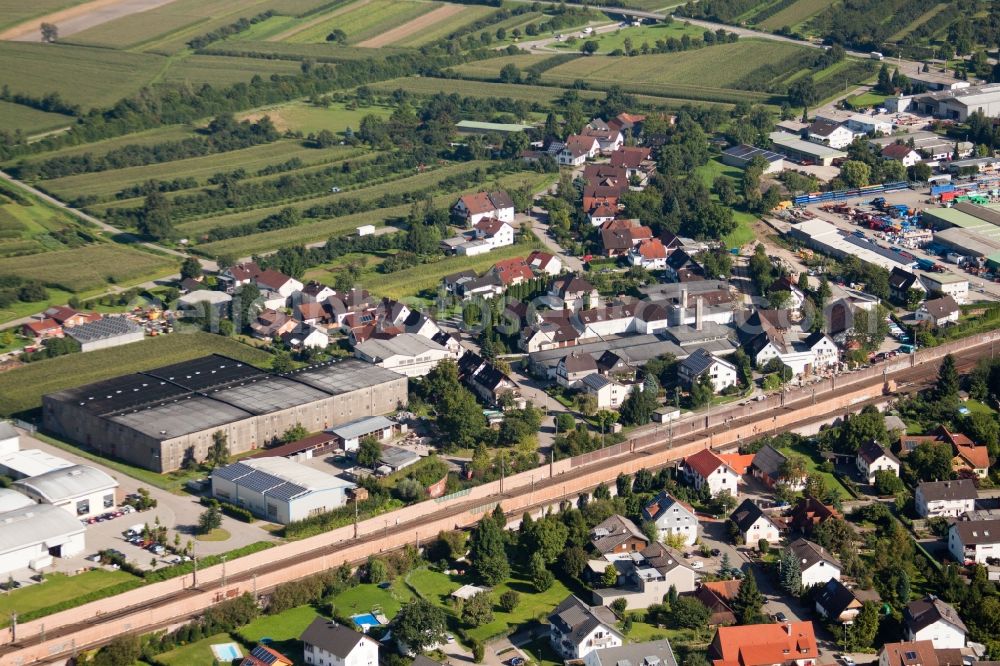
x: 198, y: 653
x: 21, y: 389
x: 868, y: 99
x: 648, y: 34
x: 811, y: 456
x: 57, y: 589
x: 367, y: 597
x: 541, y: 652
x: 743, y: 233
x: 282, y: 631
x: 975, y: 406
x: 30, y: 120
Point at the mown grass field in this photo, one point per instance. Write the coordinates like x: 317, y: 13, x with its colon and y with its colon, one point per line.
x: 365, y: 20
x: 441, y: 29
x: 795, y: 14
x: 90, y: 77
x: 225, y: 70
x: 198, y: 653
x: 58, y: 588
x: 306, y: 118
x: 106, y: 183
x: 743, y: 233
x: 31, y: 121
x: 22, y: 388
x: 84, y: 268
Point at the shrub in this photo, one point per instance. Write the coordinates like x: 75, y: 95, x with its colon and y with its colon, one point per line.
x: 509, y: 601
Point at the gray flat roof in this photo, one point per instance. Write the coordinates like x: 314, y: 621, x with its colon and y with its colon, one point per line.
x: 344, y: 376
x: 393, y: 456
x: 792, y: 142
x: 635, y: 349
x: 268, y: 394
x: 361, y: 427
x: 181, y: 417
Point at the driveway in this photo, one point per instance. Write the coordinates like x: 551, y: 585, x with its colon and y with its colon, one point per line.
x: 538, y: 219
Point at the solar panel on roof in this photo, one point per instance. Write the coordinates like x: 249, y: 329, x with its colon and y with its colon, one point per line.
x: 286, y: 491
x: 258, y: 481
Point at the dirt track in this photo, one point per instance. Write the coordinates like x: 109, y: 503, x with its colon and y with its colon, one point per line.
x: 79, y: 18
x: 319, y: 19
x: 413, y: 27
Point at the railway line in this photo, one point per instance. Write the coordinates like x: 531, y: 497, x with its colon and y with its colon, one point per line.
x: 651, y: 449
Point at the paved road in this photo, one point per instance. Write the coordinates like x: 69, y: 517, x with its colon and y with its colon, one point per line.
x: 539, y: 224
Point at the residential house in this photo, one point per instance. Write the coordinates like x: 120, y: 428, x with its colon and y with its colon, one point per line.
x: 931, y: 619
x: 608, y: 394
x: 768, y: 465
x: 636, y: 161
x: 674, y: 520
x: 314, y: 313
x: 617, y: 536
x: 939, y: 311
x: 753, y: 524
x: 945, y: 498
x: 473, y: 208
x: 722, y: 373
x: 315, y: 292
x: 766, y: 335
x: 646, y: 577
x: 619, y: 237
x: 578, y: 149
x: 900, y: 152
x: 608, y: 139
x: 649, y: 254
x: 467, y: 285
x: 969, y: 457
x: 326, y: 643
x: 602, y: 213
x: 484, y: 379
x: 304, y: 336
x: 900, y: 283
x: 830, y: 134
x: 270, y: 324
x: 576, y: 629
x: 816, y: 564
x: 650, y: 653
x: 265, y: 279
x: 573, y: 368
x: 840, y: 603
x: 872, y: 457
x: 681, y: 267
x: 795, y: 296
x: 612, y: 365
x: 911, y: 653
x: 575, y: 292
x: 974, y: 541
x: 809, y: 513
x: 486, y: 235
x: 544, y: 263
x: 68, y: 317
x: 512, y: 271
x: 550, y: 333
x: 779, y: 644
x: 706, y: 468
x: 719, y: 606
x: 42, y: 330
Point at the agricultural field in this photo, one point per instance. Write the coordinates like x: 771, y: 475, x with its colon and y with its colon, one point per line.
x: 14, y: 12
x: 309, y: 118
x: 30, y: 120
x: 21, y: 389
x: 490, y: 69
x: 105, y: 183
x: 89, y: 77
x: 99, y: 148
x: 795, y: 14
x: 319, y: 52
x: 224, y: 70
x: 365, y: 20
x: 90, y: 267
x: 29, y: 226
x: 609, y: 41
x: 444, y: 26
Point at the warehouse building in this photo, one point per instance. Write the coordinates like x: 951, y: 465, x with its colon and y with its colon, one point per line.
x: 954, y: 104
x: 161, y: 418
x: 9, y: 439
x: 30, y: 462
x: 11, y: 500
x: 742, y: 155
x: 80, y: 490
x: 278, y: 489
x: 824, y: 237
x: 349, y: 435
x: 799, y: 150
x: 32, y: 535
x: 107, y: 332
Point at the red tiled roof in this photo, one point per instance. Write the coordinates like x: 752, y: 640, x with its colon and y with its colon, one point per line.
x: 539, y: 259
x: 763, y: 644
x: 896, y: 151
x: 704, y: 463
x: 977, y: 457
x: 490, y: 225
x: 43, y: 326
x: 738, y: 461
x: 652, y: 248
x: 629, y: 157
x: 509, y: 270
x: 478, y: 203
x: 580, y: 145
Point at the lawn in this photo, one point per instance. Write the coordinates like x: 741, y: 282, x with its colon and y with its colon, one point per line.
x: 743, y: 233
x: 364, y: 598
x: 310, y: 118
x: 490, y: 69
x: 812, y: 467
x: 30, y: 120
x: 282, y: 629
x: 198, y: 653
x: 365, y: 20
x: 22, y: 388
x: 865, y: 100
x: 977, y: 407
x: 534, y: 605
x: 106, y: 183
x: 795, y: 14
x: 90, y: 267
x: 89, y: 77
x: 57, y: 589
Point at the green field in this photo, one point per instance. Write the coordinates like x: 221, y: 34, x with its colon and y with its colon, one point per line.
x: 282, y: 629
x: 309, y: 118
x: 744, y: 232
x: 610, y: 41
x: 442, y: 29
x: 89, y: 77
x: 919, y: 21
x: 198, y: 653
x: 31, y: 121
x: 99, y: 148
x: 365, y: 598
x: 85, y: 268
x: 225, y: 70
x: 13, y: 12
x: 364, y: 21
x: 22, y: 389
x: 318, y: 52
x: 29, y: 229
x: 58, y: 588
x: 490, y: 69
x: 795, y: 14
x: 106, y: 183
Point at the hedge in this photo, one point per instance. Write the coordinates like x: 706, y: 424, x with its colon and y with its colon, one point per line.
x: 231, y: 510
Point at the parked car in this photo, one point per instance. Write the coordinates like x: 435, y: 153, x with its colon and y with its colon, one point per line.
x: 847, y: 660
x: 780, y: 617
x: 697, y: 564
x: 716, y: 552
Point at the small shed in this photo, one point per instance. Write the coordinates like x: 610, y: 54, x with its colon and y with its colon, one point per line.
x: 366, y: 230
x: 466, y: 592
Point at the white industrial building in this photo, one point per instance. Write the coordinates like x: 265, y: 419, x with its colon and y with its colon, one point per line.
x: 31, y: 536
x: 11, y: 500
x: 406, y: 354
x: 9, y: 439
x: 80, y: 490
x: 107, y: 332
x: 351, y: 433
x: 30, y: 462
x: 278, y: 489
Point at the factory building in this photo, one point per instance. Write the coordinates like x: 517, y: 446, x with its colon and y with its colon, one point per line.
x: 80, y: 490
x: 107, y: 332
x: 158, y: 419
x: 952, y: 104
x: 31, y: 536
x: 824, y: 237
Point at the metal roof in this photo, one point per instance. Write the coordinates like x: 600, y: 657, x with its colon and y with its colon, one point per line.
x: 361, y: 427
x: 405, y: 344
x: 68, y: 483
x: 7, y: 430
x: 279, y: 478
x: 745, y: 152
x: 35, y: 524
x: 32, y: 462
x: 103, y: 329
x: 490, y: 127
x: 11, y: 500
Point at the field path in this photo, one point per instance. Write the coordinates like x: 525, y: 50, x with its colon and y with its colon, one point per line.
x: 319, y: 19
x: 413, y: 27
x: 77, y: 19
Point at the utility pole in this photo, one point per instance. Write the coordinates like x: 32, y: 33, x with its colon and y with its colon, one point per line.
x: 194, y: 558
x: 223, y: 570
x: 254, y: 584
x: 13, y: 626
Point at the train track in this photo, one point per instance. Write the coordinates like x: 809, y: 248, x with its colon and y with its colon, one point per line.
x: 908, y: 380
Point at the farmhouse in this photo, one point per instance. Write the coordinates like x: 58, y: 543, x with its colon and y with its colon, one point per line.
x: 159, y: 418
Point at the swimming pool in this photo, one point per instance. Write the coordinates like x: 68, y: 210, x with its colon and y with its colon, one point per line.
x: 226, y: 652
x: 365, y: 620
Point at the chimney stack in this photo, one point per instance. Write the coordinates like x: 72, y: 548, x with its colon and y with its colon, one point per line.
x: 698, y: 313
